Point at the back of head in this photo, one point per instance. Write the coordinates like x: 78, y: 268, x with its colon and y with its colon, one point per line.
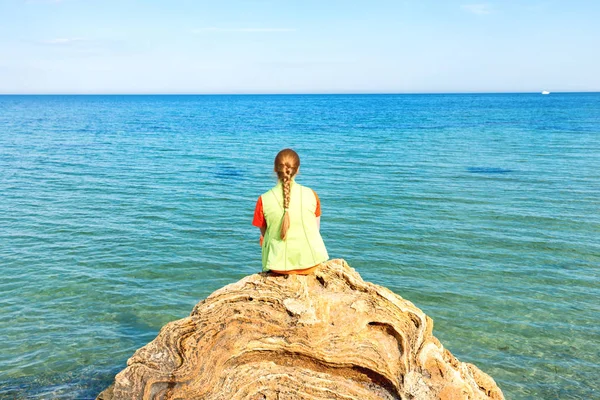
x: 287, y: 163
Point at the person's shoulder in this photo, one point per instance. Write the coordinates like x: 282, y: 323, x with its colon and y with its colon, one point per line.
x: 306, y: 189
x: 268, y: 191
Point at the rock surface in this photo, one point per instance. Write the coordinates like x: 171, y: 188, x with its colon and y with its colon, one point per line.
x: 324, y: 336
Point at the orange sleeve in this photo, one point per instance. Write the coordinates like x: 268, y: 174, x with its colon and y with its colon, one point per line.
x: 318, y: 210
x: 259, y: 215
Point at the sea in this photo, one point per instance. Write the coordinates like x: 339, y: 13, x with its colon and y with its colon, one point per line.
x: 119, y: 213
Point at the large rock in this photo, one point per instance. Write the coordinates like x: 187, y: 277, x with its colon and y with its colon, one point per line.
x: 324, y: 336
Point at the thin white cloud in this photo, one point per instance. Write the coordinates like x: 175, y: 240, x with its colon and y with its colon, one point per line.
x: 43, y: 1
x: 479, y: 9
x: 243, y: 30
x: 62, y: 41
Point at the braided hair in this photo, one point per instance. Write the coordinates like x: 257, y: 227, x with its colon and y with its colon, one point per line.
x: 287, y: 163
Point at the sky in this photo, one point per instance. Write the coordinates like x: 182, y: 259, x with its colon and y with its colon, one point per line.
x: 304, y: 46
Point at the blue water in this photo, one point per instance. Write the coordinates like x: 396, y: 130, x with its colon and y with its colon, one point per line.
x: 119, y: 213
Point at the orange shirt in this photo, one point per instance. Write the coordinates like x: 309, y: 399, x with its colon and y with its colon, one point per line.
x: 259, y: 216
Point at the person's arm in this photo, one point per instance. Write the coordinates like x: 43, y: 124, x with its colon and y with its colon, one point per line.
x: 259, y: 219
x: 318, y: 211
x: 263, y: 229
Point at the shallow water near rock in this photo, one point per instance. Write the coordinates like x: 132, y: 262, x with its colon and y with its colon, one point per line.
x: 119, y: 213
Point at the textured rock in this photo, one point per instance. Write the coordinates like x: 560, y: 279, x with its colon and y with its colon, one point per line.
x: 324, y: 336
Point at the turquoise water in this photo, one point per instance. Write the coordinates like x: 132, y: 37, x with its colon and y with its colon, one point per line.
x: 119, y: 213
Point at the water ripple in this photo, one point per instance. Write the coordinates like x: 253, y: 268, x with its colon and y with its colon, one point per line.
x: 119, y: 213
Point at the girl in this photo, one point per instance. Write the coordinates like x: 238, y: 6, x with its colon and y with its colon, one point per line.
x: 289, y: 217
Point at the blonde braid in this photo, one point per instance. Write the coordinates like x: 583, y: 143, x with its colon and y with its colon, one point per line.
x: 286, y: 193
x: 285, y: 224
x: 287, y: 163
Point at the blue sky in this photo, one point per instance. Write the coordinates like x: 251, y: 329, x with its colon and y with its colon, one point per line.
x: 308, y: 46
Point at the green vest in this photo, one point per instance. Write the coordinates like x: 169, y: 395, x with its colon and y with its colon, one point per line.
x: 303, y: 246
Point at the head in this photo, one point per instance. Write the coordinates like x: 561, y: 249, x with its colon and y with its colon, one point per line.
x: 287, y: 163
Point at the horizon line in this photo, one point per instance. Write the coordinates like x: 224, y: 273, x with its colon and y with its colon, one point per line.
x: 278, y: 93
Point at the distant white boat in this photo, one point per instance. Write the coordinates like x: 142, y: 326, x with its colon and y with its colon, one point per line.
x: 545, y: 92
